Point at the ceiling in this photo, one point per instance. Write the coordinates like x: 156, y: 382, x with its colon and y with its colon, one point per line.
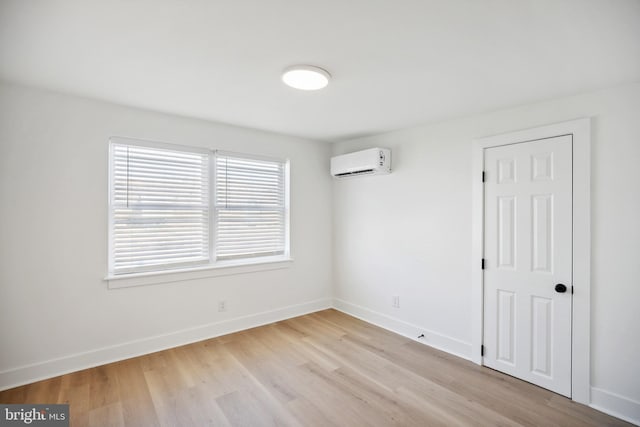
x: 395, y: 63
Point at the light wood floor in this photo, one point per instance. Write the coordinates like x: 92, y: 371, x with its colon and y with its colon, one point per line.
x: 322, y: 369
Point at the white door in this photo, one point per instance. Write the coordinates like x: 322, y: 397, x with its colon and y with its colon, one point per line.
x: 528, y: 261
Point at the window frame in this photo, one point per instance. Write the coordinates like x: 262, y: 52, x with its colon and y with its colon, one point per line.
x: 213, y: 268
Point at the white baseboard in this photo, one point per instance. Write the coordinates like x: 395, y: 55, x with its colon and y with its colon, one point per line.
x: 52, y: 368
x: 615, y: 405
x: 433, y: 339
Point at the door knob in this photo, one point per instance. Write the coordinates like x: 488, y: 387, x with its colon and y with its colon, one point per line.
x: 560, y: 288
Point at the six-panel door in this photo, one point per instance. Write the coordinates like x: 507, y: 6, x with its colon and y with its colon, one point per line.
x: 528, y: 251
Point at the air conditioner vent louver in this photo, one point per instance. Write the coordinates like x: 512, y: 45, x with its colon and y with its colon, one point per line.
x: 374, y: 161
x: 355, y: 173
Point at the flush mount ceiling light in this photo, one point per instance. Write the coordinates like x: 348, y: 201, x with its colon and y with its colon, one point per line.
x: 306, y: 77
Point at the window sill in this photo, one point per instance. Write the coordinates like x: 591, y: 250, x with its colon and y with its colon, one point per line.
x: 227, y: 268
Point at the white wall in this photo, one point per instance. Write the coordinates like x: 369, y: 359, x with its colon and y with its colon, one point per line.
x: 409, y: 233
x: 54, y: 303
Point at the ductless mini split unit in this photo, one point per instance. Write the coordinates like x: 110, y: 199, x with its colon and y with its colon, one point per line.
x: 374, y: 161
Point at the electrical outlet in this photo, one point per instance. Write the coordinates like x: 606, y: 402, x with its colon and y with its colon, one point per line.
x: 222, y: 306
x: 395, y: 302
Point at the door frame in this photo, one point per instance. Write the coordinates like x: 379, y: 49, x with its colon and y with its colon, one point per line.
x: 580, y: 130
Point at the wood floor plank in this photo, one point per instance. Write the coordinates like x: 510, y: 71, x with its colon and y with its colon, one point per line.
x: 263, y: 369
x: 103, y: 386
x: 75, y: 389
x: 322, y: 369
x: 309, y: 414
x: 305, y: 350
x: 44, y: 391
x: 107, y: 416
x: 135, y: 398
x: 333, y: 399
x: 16, y: 395
x: 248, y: 408
x: 264, y: 387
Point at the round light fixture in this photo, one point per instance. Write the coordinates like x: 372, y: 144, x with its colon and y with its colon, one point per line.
x: 306, y: 77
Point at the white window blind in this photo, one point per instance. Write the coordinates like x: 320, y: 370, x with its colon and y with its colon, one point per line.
x: 159, y: 208
x: 250, y: 207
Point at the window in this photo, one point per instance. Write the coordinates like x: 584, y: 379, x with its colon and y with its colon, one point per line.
x: 174, y: 207
x: 250, y: 214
